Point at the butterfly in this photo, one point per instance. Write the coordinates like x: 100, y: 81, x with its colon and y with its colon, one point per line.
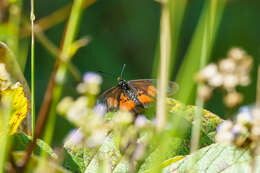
x: 133, y: 95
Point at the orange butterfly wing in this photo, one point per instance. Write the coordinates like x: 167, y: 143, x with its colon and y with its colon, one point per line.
x: 126, y: 103
x: 111, y: 98
x: 144, y: 89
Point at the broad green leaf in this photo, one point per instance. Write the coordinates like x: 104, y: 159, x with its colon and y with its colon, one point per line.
x: 178, y: 142
x: 90, y: 160
x: 166, y: 163
x: 215, y: 158
x: 173, y: 142
x: 21, y: 141
x: 35, y: 161
x: 210, y: 121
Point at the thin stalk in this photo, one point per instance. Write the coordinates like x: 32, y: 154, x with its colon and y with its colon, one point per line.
x: 62, y: 69
x: 177, y: 11
x: 199, y: 101
x: 55, y: 84
x: 165, y: 53
x: 32, y: 69
x: 49, y: 100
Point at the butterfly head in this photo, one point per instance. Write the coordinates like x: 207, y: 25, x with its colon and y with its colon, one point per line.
x: 122, y: 83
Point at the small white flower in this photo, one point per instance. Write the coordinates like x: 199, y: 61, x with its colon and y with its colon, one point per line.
x: 227, y: 65
x: 75, y: 137
x: 244, y: 109
x: 216, y: 81
x: 82, y: 88
x: 122, y: 117
x: 204, y: 92
x: 209, y: 71
x: 244, y: 118
x: 230, y: 81
x: 225, y: 138
x: 233, y: 99
x: 239, y: 129
x: 140, y: 121
x: 91, y: 77
x: 237, y: 53
x: 100, y: 109
x: 225, y: 126
x: 78, y: 110
x: 244, y: 80
x: 91, y: 84
x: 97, y: 138
x: 65, y: 105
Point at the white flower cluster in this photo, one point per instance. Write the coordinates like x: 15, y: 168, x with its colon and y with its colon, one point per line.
x: 244, y: 131
x: 91, y: 84
x: 92, y: 123
x: 227, y: 74
x: 82, y: 114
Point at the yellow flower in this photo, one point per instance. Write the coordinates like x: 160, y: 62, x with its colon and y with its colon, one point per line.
x: 19, y: 105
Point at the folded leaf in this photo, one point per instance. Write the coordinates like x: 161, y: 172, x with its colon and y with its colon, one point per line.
x: 215, y: 158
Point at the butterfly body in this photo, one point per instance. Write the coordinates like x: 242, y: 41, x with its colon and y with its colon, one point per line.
x: 133, y: 95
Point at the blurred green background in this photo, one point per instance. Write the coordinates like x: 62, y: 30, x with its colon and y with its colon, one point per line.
x: 126, y: 32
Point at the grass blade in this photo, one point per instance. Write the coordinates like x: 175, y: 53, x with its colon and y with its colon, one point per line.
x: 191, y: 63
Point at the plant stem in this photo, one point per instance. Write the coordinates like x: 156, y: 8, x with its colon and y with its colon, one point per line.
x: 62, y: 68
x: 50, y: 99
x: 32, y: 69
x: 199, y: 101
x: 165, y: 52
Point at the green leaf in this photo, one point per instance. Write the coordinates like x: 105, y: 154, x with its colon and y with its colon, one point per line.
x: 177, y: 141
x: 215, y: 158
x: 91, y: 160
x: 172, y: 142
x: 69, y: 163
x: 166, y: 163
x: 21, y: 141
x: 48, y: 166
x: 200, y: 46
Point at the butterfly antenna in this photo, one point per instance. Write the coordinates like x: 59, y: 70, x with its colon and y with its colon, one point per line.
x: 122, y: 71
